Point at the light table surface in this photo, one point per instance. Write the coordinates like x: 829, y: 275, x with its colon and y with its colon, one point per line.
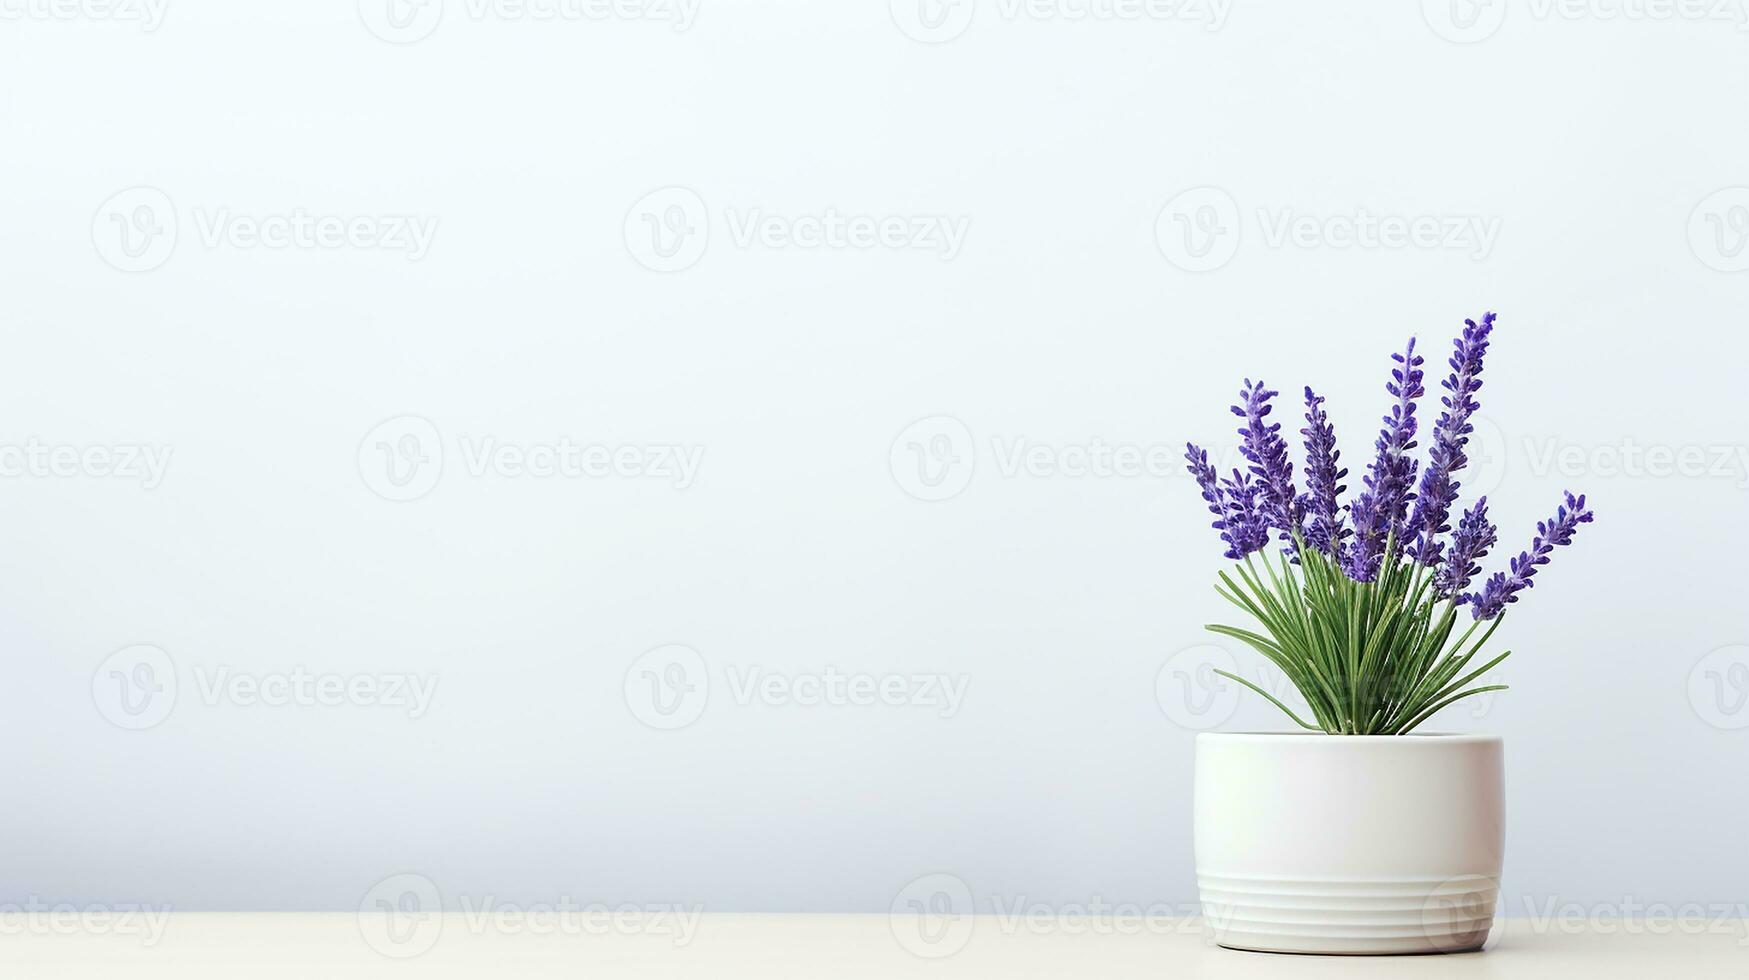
x: 721, y: 946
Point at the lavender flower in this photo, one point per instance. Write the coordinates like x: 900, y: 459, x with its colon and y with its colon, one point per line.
x: 1247, y: 525
x: 1326, y: 531
x: 1475, y: 535
x: 1380, y: 512
x: 1234, y: 502
x: 1267, y: 451
x: 1438, y: 489
x: 1210, y: 483
x: 1502, y: 588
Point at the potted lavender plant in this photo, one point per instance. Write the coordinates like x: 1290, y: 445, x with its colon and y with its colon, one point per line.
x: 1361, y: 838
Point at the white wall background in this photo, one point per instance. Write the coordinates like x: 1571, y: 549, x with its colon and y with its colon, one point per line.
x: 1592, y: 146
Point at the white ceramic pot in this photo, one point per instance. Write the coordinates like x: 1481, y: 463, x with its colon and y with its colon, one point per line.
x: 1311, y: 843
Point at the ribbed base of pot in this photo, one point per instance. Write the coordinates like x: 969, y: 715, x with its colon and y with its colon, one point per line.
x: 1347, y: 946
x: 1366, y: 918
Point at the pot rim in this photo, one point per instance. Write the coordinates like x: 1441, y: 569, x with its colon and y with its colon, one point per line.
x: 1424, y: 738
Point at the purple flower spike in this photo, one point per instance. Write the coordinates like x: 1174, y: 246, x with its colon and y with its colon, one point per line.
x: 1323, y: 473
x: 1234, y: 502
x: 1475, y: 535
x: 1438, y: 489
x: 1264, y: 447
x: 1383, y: 506
x: 1247, y: 526
x: 1503, y: 588
x: 1210, y: 483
